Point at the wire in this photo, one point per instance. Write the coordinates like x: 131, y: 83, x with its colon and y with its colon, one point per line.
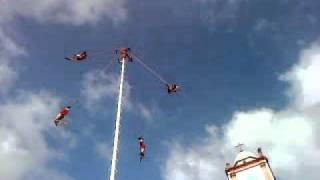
x: 150, y: 70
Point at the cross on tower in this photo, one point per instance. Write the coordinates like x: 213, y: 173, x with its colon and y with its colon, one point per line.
x: 239, y: 147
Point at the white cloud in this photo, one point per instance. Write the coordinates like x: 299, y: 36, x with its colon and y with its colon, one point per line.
x: 24, y: 120
x: 104, y: 150
x: 262, y: 24
x: 75, y: 12
x: 303, y: 78
x: 7, y: 77
x: 219, y: 1
x: 214, y: 12
x: 285, y: 135
x: 8, y: 46
x: 24, y: 150
x: 202, y: 160
x: 9, y: 50
x: 289, y: 137
x: 145, y: 112
x: 97, y: 85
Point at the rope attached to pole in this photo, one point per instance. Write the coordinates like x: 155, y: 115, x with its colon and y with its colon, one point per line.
x: 151, y: 70
x: 107, y: 67
x: 96, y: 52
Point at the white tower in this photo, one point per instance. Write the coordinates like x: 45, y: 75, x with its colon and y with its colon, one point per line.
x: 250, y: 166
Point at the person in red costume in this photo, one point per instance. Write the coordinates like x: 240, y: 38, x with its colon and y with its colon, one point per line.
x: 78, y: 57
x: 142, y: 148
x: 172, y: 88
x: 60, y: 119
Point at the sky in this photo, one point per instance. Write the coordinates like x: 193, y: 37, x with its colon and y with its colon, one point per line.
x: 248, y: 71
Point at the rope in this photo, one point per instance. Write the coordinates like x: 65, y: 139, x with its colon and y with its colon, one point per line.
x: 98, y: 52
x: 73, y: 102
x: 150, y: 70
x: 107, y: 67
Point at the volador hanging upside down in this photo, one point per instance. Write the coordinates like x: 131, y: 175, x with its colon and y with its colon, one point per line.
x: 142, y: 146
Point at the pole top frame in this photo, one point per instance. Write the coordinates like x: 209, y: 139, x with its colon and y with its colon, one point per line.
x: 124, y: 54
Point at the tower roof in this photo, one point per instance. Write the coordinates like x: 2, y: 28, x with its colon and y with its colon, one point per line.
x: 246, y: 160
x: 244, y: 156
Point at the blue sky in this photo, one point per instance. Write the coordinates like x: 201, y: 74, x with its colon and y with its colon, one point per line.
x: 247, y: 71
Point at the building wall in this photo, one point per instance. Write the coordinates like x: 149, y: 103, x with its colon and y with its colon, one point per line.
x: 267, y: 171
x: 255, y: 173
x: 259, y: 170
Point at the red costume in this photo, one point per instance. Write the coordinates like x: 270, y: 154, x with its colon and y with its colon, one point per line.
x: 142, y: 148
x: 78, y: 57
x: 64, y: 112
x: 172, y: 88
x: 124, y: 54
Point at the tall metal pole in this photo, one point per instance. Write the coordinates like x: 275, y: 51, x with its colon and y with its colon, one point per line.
x: 116, y: 139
